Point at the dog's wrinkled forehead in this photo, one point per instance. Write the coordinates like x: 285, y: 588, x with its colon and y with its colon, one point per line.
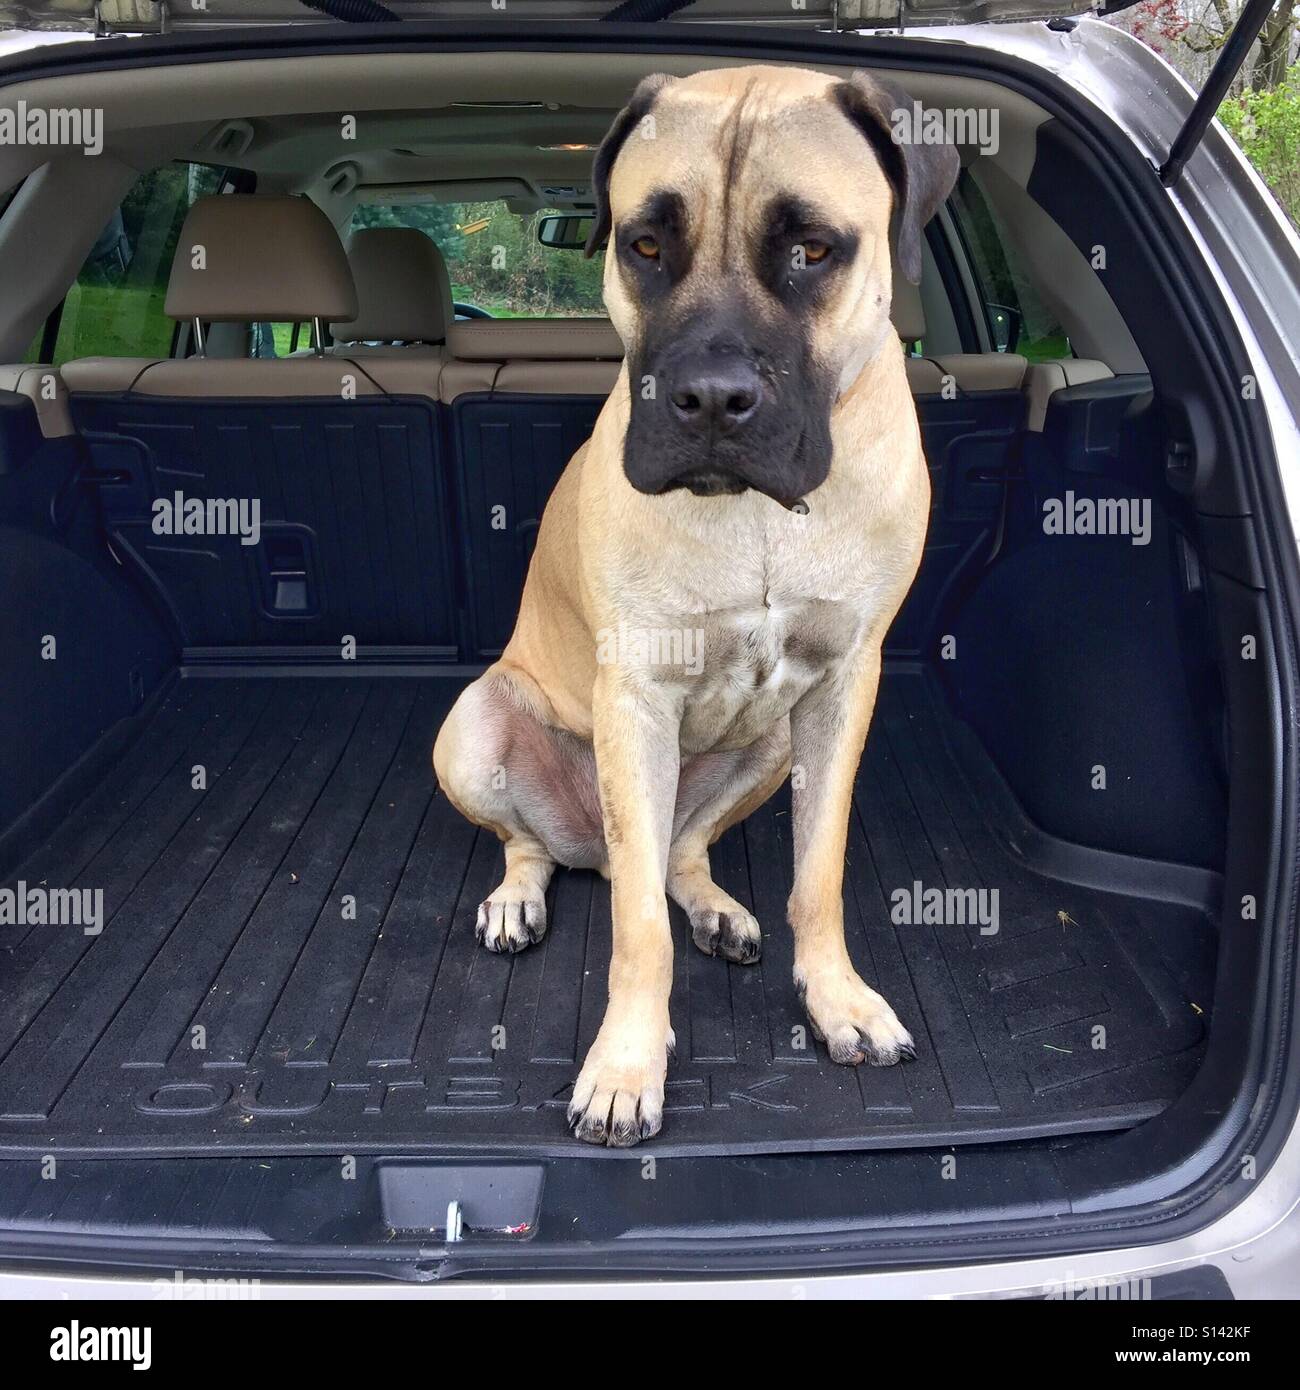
x: 730, y: 142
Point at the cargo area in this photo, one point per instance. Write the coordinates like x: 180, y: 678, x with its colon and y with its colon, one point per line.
x: 395, y: 1031
x: 285, y: 959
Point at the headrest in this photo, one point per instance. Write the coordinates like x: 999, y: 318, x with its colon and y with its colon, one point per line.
x: 537, y: 340
x: 403, y: 288
x: 263, y: 260
x: 906, y: 310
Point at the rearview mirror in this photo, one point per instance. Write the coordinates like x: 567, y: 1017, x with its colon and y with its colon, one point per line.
x: 565, y: 231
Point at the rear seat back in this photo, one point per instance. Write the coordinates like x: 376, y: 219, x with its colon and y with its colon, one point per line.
x: 349, y: 482
x: 524, y: 395
x: 540, y: 356
x: 976, y: 411
x: 971, y: 412
x: 364, y: 456
x: 45, y: 387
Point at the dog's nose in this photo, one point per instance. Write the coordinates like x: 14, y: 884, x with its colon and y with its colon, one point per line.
x: 718, y: 397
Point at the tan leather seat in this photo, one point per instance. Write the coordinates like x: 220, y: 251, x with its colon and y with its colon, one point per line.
x: 1044, y: 379
x: 347, y: 461
x: 44, y: 386
x: 968, y: 371
x: 246, y: 259
x: 104, y: 375
x: 404, y: 301
x: 908, y: 317
x: 577, y: 357
x: 986, y: 371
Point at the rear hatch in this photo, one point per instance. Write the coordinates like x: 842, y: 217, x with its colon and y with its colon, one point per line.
x: 371, y: 1040
x: 156, y: 16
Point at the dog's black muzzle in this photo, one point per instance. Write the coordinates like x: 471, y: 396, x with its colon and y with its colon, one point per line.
x: 723, y: 417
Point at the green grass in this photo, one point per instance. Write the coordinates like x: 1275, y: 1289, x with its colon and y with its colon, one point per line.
x: 113, y: 321
x: 1044, y: 349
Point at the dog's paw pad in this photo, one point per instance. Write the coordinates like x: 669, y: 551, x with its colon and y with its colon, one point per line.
x: 734, y: 934
x: 507, y: 924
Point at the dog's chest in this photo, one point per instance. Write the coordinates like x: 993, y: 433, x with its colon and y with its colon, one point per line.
x: 756, y: 661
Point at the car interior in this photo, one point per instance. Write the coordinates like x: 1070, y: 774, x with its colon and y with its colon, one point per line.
x: 241, y: 298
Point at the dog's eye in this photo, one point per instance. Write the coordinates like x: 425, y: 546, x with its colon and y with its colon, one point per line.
x: 815, y: 252
x: 647, y: 247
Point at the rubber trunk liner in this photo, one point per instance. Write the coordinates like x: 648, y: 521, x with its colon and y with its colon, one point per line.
x: 236, y: 1002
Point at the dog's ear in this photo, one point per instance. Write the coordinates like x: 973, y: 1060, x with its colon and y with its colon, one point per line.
x: 625, y: 122
x: 922, y: 175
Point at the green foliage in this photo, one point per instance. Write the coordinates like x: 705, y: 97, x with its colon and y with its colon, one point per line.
x: 1266, y: 124
x: 436, y: 220
x: 115, y: 308
x: 496, y: 261
x: 114, y: 321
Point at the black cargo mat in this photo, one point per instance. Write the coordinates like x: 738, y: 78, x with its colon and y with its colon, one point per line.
x: 235, y: 1002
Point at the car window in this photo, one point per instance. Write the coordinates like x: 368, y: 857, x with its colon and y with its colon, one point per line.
x: 1018, y: 320
x: 115, y: 306
x: 495, y: 260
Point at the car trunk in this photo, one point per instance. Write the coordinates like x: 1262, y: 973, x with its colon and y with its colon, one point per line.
x: 287, y: 960
x: 278, y: 969
x: 227, y: 921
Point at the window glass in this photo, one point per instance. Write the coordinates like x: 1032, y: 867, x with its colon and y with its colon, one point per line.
x: 1018, y: 319
x: 495, y: 260
x: 115, y: 307
x: 279, y: 339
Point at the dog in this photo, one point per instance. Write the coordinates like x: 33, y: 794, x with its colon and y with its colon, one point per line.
x: 717, y: 566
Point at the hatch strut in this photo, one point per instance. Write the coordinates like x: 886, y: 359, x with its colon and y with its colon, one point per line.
x: 354, y: 11
x: 1231, y: 56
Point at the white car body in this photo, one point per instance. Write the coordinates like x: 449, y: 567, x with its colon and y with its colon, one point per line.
x: 1256, y: 1244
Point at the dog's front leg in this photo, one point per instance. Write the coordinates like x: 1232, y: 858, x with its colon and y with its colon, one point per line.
x: 828, y: 728
x: 619, y: 1095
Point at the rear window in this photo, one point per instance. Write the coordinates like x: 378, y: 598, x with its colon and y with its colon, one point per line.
x: 495, y: 260
x: 115, y: 307
x: 1018, y: 320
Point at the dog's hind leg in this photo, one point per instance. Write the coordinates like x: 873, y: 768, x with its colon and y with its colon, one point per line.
x: 715, y: 790
x: 533, y: 785
x: 514, y: 914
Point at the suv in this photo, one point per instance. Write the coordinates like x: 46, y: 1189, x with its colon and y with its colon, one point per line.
x: 260, y: 525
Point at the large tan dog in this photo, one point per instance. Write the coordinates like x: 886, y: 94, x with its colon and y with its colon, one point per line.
x: 717, y: 567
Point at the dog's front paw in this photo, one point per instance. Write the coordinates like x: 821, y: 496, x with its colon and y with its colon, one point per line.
x: 509, y: 922
x: 854, y: 1022
x: 618, y: 1098
x: 733, y: 933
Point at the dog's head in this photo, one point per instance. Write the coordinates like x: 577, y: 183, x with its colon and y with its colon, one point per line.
x: 748, y: 212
